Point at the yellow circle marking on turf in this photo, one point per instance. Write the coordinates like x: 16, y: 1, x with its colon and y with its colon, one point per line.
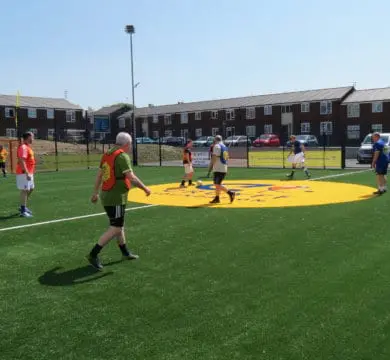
x: 256, y: 194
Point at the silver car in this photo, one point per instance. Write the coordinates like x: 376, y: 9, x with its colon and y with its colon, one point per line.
x: 364, y: 154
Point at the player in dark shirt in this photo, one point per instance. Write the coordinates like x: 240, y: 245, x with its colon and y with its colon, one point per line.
x: 187, y: 163
x: 380, y: 162
x: 297, y: 156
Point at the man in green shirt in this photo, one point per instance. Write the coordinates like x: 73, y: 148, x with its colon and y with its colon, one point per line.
x: 114, y: 179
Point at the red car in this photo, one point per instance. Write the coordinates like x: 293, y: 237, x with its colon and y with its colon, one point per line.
x: 267, y: 140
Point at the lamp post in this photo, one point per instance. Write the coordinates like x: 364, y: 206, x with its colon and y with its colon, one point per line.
x: 130, y: 29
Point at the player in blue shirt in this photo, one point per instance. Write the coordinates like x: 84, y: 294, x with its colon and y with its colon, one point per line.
x: 380, y: 162
x: 297, y: 156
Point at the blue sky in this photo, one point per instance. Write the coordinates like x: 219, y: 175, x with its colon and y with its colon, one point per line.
x: 189, y: 50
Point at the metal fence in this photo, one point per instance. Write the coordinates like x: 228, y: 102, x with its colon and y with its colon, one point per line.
x: 247, y: 154
x: 80, y: 152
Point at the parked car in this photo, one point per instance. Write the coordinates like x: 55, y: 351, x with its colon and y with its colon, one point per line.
x: 203, y: 141
x: 146, y: 140
x: 173, y: 141
x: 307, y: 140
x: 238, y: 140
x: 364, y: 154
x: 267, y: 140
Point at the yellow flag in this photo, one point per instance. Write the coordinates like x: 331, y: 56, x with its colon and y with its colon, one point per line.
x: 17, y: 107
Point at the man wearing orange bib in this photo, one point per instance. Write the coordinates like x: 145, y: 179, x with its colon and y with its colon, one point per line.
x: 3, y: 160
x: 114, y: 179
x: 25, y: 170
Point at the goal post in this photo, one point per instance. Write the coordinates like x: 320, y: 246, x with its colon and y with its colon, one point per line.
x: 11, y: 145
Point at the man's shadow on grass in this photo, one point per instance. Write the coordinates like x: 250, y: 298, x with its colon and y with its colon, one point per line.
x: 8, y: 217
x: 81, y: 275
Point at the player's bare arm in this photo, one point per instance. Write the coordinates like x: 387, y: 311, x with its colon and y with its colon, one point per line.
x: 137, y: 182
x: 212, y: 162
x: 98, y: 184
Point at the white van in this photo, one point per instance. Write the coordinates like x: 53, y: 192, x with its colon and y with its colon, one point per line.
x: 364, y: 154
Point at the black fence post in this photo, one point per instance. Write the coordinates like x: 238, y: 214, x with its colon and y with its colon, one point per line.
x: 56, y: 142
x: 159, y: 150
x: 324, y: 149
x: 248, y: 146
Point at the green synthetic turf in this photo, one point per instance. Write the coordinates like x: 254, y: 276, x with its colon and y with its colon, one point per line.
x: 292, y: 284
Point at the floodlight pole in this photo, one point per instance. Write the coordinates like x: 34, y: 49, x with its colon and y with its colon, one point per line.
x: 130, y: 29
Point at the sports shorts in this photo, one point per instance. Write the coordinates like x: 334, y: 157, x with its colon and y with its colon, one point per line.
x: 23, y: 184
x: 116, y: 215
x: 2, y: 165
x: 298, y: 158
x: 382, y: 169
x: 219, y: 177
x: 188, y: 169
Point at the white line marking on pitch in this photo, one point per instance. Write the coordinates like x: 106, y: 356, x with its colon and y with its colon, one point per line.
x: 70, y: 219
x: 338, y: 175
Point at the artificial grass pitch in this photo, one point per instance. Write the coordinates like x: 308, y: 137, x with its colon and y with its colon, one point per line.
x: 284, y: 283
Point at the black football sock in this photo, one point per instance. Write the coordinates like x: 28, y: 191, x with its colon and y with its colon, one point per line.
x: 183, y: 182
x: 96, y: 250
x: 189, y: 182
x: 124, y: 250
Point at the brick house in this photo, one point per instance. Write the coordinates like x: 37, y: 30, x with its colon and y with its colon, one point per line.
x: 42, y: 116
x: 315, y: 112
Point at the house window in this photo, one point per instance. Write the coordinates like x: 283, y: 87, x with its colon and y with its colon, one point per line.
x: 198, y: 132
x: 230, y: 131
x: 32, y: 113
x: 305, y: 107
x: 268, y: 110
x: 9, y: 112
x: 286, y: 109
x: 11, y: 133
x: 305, y: 128
x: 214, y: 131
x: 268, y: 129
x: 184, y: 118
x: 198, y: 115
x: 50, y: 114
x: 353, y: 110
x: 155, y: 119
x: 353, y: 132
x: 325, y: 107
x: 70, y: 116
x: 214, y: 115
x: 377, y: 128
x: 251, y: 131
x: 377, y: 107
x: 156, y: 134
x: 230, y: 114
x: 168, y: 119
x: 168, y: 133
x: 50, y: 134
x: 121, y: 123
x: 184, y: 133
x: 326, y: 128
x: 250, y: 113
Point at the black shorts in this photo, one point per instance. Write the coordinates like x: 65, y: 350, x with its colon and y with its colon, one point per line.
x: 381, y: 170
x: 116, y: 214
x: 218, y: 178
x: 2, y: 165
